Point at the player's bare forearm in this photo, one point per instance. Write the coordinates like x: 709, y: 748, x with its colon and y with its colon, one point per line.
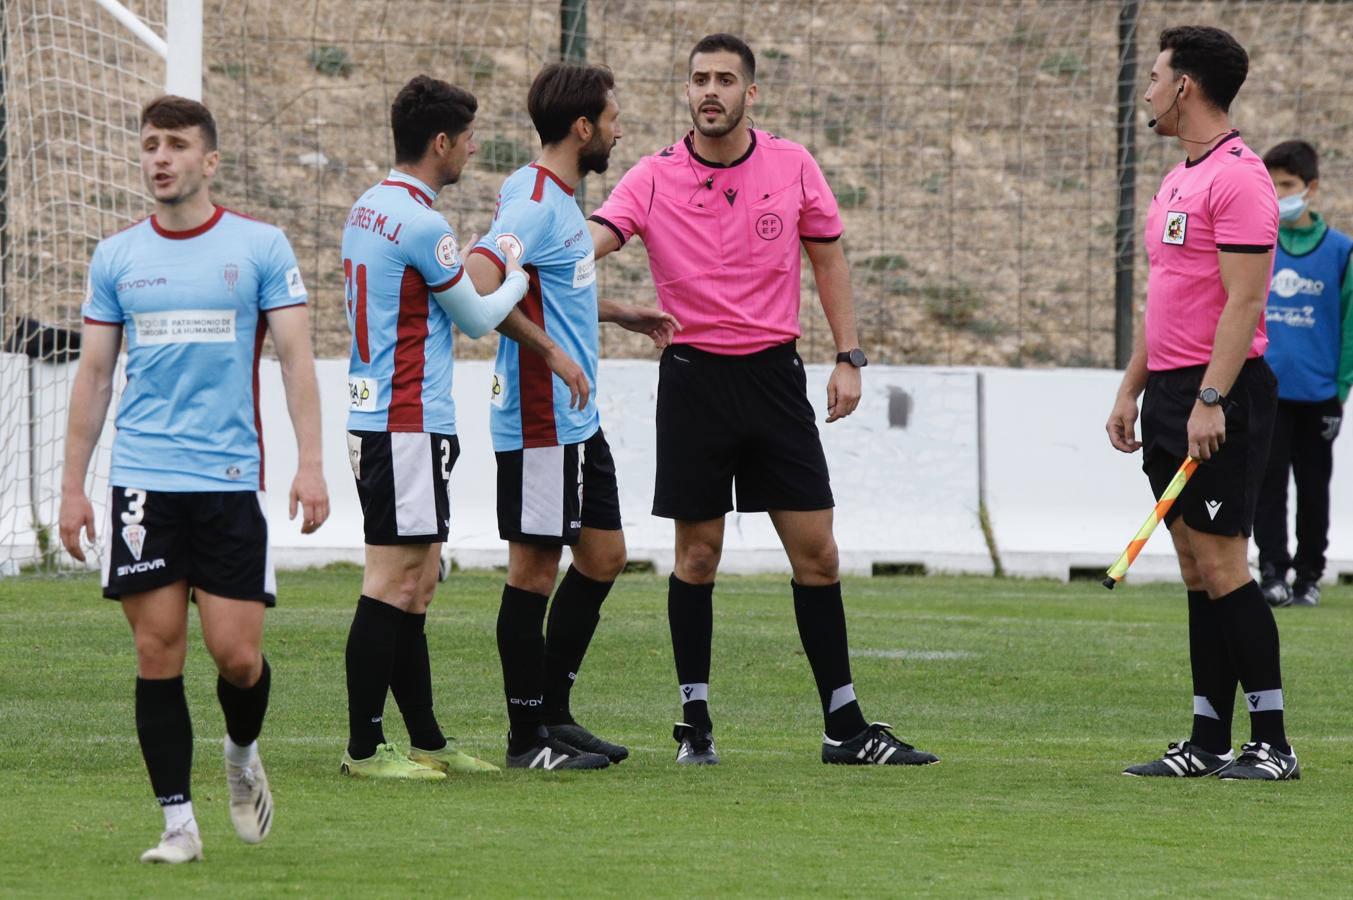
x: 90, y: 395
x: 291, y: 335
x: 831, y: 272
x: 1134, y: 376
x: 527, y: 333
x: 1245, y: 277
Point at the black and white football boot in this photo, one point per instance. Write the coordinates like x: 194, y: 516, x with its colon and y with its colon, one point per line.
x: 552, y: 755
x: 1184, y: 760
x: 695, y: 746
x: 1264, y: 762
x: 580, y: 738
x: 875, y: 746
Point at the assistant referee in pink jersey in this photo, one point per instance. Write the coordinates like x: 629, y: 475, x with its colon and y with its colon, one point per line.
x: 722, y: 214
x: 1209, y: 238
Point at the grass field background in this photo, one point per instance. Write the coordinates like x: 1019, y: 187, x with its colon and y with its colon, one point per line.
x: 1035, y: 694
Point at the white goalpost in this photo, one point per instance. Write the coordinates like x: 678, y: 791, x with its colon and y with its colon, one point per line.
x: 73, y: 77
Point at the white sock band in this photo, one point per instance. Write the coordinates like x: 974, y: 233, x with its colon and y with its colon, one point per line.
x: 240, y: 756
x: 1203, y: 707
x: 179, y: 815
x: 841, y: 696
x: 692, y: 692
x: 1264, y: 701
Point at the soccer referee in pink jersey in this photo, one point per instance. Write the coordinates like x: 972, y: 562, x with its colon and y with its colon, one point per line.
x: 722, y: 214
x: 1210, y: 235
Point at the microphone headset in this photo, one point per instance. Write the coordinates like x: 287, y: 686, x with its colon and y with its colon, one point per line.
x: 1152, y: 123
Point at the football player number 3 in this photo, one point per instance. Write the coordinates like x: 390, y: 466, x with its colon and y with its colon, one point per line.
x: 354, y: 289
x: 136, y: 510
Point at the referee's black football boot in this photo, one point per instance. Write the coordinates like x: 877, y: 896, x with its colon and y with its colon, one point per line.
x: 1263, y: 762
x: 580, y: 738
x: 695, y: 746
x: 1184, y: 760
x: 875, y: 746
x: 552, y: 755
x: 1276, y: 591
x: 1305, y: 593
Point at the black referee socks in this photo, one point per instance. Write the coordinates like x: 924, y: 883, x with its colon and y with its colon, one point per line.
x: 521, y: 647
x: 574, y: 615
x: 822, y: 628
x: 244, y: 708
x: 370, y: 657
x: 1252, y: 637
x: 690, y: 615
x: 1214, y: 678
x: 166, y: 736
x: 411, y: 683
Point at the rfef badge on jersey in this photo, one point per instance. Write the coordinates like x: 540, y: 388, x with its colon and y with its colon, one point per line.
x: 1176, y: 224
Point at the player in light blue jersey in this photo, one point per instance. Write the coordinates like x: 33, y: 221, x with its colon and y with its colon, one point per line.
x: 194, y: 287
x: 405, y: 289
x: 556, y: 477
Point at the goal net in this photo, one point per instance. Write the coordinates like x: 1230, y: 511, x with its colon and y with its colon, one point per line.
x: 74, y: 80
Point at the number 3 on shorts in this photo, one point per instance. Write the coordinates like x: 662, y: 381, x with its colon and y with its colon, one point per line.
x: 136, y: 510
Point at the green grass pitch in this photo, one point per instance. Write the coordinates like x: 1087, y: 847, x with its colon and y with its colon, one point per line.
x: 1035, y: 694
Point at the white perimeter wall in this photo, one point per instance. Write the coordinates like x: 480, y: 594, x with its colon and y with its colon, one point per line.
x: 1031, y: 443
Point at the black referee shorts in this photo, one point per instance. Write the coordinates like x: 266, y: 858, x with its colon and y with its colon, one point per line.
x: 1221, y: 497
x: 736, y: 420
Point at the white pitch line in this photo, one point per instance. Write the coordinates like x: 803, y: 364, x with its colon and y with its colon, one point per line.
x: 927, y: 655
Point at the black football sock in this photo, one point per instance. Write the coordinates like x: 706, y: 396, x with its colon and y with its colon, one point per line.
x: 822, y: 629
x: 1214, y: 678
x: 244, y: 708
x: 411, y: 683
x: 370, y: 658
x: 1252, y: 637
x: 574, y: 615
x: 690, y: 615
x: 521, y: 647
x: 166, y: 736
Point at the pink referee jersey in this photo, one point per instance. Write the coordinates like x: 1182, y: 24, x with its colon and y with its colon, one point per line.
x: 1222, y: 201
x: 723, y: 240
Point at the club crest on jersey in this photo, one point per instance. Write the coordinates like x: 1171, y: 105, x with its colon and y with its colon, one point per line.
x: 134, y: 536
x: 769, y: 226
x: 231, y: 274
x: 1176, y: 225
x: 447, y: 254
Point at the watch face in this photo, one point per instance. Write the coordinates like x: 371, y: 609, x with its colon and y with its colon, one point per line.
x: 857, y: 358
x: 1209, y: 396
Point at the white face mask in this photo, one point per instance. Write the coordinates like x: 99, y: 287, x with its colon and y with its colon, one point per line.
x: 1291, y: 207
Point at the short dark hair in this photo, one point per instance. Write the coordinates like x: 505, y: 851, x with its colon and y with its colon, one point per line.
x: 425, y: 108
x: 1297, y: 157
x: 174, y: 112
x: 563, y: 93
x: 1210, y: 57
x: 712, y: 43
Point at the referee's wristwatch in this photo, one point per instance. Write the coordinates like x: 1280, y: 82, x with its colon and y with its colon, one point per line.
x: 1210, y: 397
x: 855, y: 357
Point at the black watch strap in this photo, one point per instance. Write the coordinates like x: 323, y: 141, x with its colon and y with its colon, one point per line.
x: 855, y: 357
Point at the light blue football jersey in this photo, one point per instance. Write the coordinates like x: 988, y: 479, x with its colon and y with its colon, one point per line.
x: 191, y: 304
x: 398, y: 250
x: 529, y: 406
